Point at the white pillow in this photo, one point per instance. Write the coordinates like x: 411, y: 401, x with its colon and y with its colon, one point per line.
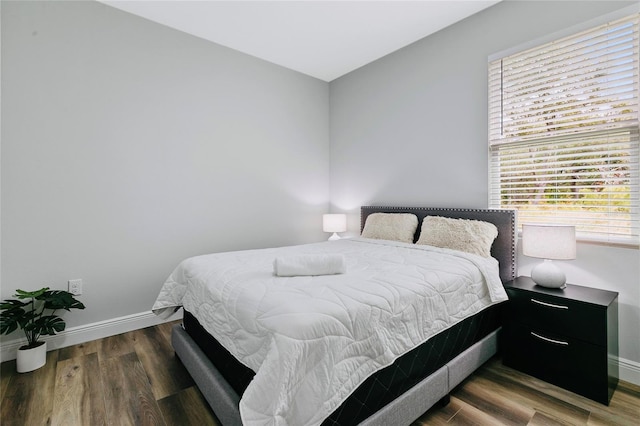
x: 391, y: 226
x: 471, y: 236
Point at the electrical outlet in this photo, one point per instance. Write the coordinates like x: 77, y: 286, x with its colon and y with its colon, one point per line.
x: 75, y: 287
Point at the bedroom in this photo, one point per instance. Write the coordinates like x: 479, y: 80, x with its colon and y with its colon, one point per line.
x: 110, y: 172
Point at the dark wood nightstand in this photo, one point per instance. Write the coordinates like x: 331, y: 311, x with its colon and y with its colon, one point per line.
x: 564, y: 337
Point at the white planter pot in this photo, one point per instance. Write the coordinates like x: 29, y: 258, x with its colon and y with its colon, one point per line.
x: 31, y: 359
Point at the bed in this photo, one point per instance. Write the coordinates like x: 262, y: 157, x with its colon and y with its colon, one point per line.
x: 411, y: 368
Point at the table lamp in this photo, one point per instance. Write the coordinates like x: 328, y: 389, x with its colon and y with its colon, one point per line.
x: 335, y: 222
x: 549, y: 242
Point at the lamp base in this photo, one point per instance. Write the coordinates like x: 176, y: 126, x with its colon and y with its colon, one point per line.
x: 334, y: 237
x: 547, y: 274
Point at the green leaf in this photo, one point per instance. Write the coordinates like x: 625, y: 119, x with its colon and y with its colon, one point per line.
x: 10, y: 319
x: 8, y: 327
x: 8, y: 324
x: 50, y: 325
x: 59, y: 299
x: 21, y: 294
x: 12, y: 303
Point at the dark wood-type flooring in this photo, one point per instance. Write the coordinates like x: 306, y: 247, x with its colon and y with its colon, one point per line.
x: 136, y: 379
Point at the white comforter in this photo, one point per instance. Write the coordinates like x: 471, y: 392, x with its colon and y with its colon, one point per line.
x: 313, y: 340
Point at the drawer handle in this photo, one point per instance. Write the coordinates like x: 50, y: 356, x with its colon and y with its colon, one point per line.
x: 550, y: 305
x: 546, y: 339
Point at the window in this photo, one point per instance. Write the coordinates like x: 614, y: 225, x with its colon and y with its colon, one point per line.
x: 563, y: 132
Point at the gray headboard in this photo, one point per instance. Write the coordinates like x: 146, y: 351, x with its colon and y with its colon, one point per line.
x: 504, y: 246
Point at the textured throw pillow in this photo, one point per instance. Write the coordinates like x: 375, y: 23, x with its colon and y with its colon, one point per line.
x: 391, y: 226
x: 471, y: 236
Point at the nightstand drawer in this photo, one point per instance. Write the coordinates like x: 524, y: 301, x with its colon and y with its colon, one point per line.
x: 564, y: 316
x: 570, y: 363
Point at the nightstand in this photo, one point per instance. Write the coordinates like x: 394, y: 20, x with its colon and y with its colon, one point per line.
x: 565, y: 337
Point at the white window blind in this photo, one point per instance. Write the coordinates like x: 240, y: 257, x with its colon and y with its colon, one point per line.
x: 563, y: 132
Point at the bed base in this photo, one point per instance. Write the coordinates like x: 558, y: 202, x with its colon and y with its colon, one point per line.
x: 402, y: 411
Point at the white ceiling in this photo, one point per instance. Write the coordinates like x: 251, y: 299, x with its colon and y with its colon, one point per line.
x: 324, y: 39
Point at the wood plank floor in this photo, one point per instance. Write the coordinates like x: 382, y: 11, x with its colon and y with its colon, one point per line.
x: 135, y: 379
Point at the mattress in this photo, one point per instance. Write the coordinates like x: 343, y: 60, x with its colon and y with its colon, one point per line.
x: 380, y: 388
x: 313, y: 340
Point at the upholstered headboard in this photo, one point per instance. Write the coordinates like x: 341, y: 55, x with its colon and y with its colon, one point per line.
x: 504, y: 246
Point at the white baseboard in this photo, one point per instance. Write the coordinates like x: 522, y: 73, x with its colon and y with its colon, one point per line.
x: 629, y: 370
x: 88, y: 332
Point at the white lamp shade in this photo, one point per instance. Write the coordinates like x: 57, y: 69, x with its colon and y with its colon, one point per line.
x: 557, y: 242
x: 335, y: 222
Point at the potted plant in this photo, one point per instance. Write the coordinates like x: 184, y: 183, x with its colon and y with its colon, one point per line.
x: 35, y: 313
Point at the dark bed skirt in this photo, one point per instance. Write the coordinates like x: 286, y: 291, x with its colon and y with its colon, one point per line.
x: 382, y: 387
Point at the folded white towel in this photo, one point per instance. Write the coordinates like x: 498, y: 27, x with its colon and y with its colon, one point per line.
x: 309, y: 264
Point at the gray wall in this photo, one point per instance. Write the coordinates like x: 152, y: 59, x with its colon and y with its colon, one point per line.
x: 411, y: 128
x: 128, y: 146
